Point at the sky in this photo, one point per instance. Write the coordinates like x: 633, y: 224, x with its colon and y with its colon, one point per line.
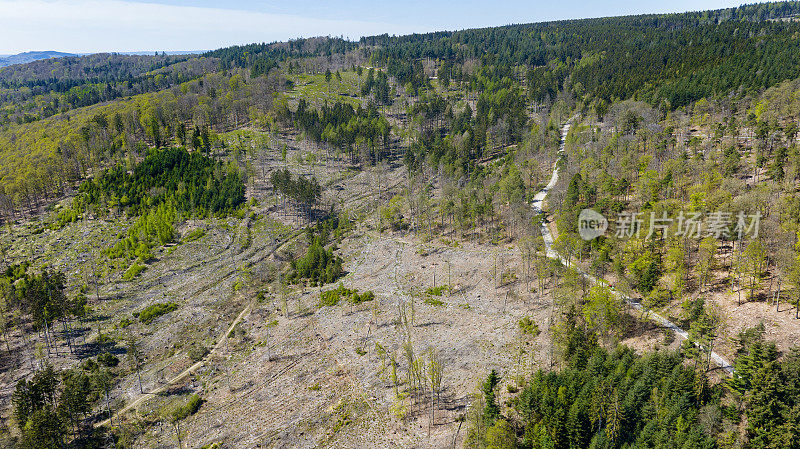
x: 88, y: 26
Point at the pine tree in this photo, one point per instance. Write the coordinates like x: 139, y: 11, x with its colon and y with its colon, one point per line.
x: 492, y: 409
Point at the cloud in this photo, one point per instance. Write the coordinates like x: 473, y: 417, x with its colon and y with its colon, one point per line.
x: 115, y: 25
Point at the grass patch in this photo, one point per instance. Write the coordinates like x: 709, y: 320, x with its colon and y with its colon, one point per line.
x: 197, y: 234
x: 438, y: 291
x: 154, y: 311
x: 433, y: 301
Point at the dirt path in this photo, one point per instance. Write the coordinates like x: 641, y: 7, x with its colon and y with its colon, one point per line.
x: 184, y: 373
x: 194, y: 367
x: 547, y: 236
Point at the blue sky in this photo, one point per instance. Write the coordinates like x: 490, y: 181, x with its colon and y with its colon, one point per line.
x: 83, y: 26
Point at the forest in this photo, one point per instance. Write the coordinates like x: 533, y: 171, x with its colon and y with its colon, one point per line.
x: 191, y: 182
x: 688, y: 57
x: 608, y: 399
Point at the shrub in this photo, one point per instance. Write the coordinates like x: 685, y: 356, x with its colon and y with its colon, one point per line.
x: 195, y: 235
x: 108, y: 359
x: 197, y: 352
x: 190, y: 408
x: 391, y: 216
x: 125, y: 322
x: 332, y: 297
x: 437, y: 291
x: 364, y: 297
x: 154, y: 311
x: 104, y: 339
x: 133, y: 271
x: 433, y: 301
x: 64, y: 217
x: 528, y: 326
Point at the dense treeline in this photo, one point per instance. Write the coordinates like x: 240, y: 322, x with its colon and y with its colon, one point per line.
x: 50, y: 154
x: 245, y: 56
x: 191, y: 182
x: 361, y: 133
x: 677, y: 58
x: 668, y: 60
x: 617, y: 399
x: 456, y: 137
x: 44, y: 88
x: 304, y: 193
x: 321, y: 265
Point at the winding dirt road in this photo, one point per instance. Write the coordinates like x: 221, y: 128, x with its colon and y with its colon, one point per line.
x: 547, y: 236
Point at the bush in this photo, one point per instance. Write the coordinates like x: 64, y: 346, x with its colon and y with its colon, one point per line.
x: 190, y: 408
x: 105, y: 339
x: 64, y: 217
x: 197, y: 352
x: 108, y: 359
x: 154, y: 311
x: 364, y: 297
x: 125, y: 322
x: 437, y: 291
x: 332, y: 297
x: 133, y: 271
x: 391, y: 216
x: 528, y: 326
x: 433, y: 301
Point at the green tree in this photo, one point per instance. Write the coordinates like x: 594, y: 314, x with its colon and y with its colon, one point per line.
x: 75, y: 396
x: 501, y: 436
x: 645, y: 271
x: 602, y: 311
x: 705, y: 260
x: 491, y: 410
x: 752, y: 265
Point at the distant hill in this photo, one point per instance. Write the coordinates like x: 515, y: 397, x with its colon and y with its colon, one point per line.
x: 30, y: 56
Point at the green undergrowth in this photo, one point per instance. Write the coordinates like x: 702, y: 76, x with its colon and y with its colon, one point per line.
x: 151, y: 312
x: 341, y: 293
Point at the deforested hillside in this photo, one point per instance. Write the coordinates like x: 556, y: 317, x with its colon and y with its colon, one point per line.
x: 572, y: 234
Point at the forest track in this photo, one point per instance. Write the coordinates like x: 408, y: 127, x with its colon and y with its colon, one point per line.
x: 537, y: 203
x: 194, y: 367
